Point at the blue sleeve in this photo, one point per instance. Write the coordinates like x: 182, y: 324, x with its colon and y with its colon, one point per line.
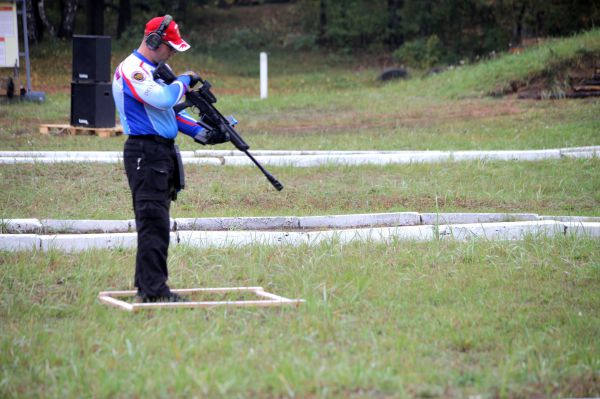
x: 188, y: 125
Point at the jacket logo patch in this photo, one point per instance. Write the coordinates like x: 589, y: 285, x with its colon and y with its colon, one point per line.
x: 140, y: 77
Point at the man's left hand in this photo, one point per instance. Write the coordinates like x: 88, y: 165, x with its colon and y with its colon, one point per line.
x: 194, y: 78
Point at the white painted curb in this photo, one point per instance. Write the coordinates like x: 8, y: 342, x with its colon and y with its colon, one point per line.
x: 83, y: 242
x: 307, y: 158
x: 528, y: 155
x: 462, y: 218
x: 583, y: 229
x: 503, y: 231
x: 15, y: 226
x: 19, y: 242
x: 87, y: 226
x: 490, y: 231
x: 238, y: 223
x: 46, y: 226
x: 582, y: 154
x: 359, y: 220
x: 574, y: 219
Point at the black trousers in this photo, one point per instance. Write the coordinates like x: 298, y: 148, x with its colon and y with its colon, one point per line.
x: 150, y: 164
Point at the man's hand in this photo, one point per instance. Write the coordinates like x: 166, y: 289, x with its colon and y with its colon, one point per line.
x: 211, y: 137
x: 194, y: 78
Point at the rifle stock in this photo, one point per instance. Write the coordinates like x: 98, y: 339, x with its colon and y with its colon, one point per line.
x: 203, y: 99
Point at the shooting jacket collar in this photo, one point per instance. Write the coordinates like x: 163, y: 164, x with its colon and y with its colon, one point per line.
x: 146, y: 60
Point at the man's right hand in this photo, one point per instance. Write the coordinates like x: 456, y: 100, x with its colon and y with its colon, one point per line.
x: 211, y: 137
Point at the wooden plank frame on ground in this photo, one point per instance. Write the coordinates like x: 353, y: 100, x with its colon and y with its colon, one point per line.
x: 58, y: 129
x: 111, y: 298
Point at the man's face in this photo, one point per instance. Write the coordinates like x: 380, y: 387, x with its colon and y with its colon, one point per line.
x: 163, y: 52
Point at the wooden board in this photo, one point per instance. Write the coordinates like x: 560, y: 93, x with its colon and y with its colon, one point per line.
x: 587, y: 88
x: 268, y: 299
x: 103, y: 132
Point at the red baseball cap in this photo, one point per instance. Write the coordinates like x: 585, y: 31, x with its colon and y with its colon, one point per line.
x: 171, y: 35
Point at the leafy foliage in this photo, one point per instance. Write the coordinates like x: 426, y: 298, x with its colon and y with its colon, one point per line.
x: 421, y: 32
x: 422, y: 53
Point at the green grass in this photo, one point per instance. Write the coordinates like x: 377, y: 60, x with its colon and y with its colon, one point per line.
x: 482, y: 78
x: 401, y: 319
x: 88, y: 191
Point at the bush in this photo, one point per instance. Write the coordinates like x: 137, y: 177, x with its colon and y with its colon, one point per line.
x: 420, y: 53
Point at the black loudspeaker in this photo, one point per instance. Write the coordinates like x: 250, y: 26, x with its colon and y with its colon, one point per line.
x: 92, y: 105
x: 91, y: 58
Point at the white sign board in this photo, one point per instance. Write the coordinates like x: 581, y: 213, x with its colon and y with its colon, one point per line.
x: 9, y: 35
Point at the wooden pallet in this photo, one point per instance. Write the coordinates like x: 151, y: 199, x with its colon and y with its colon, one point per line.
x: 103, y: 132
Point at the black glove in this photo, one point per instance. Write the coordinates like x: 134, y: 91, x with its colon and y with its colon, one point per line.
x: 211, y: 137
x: 194, y: 78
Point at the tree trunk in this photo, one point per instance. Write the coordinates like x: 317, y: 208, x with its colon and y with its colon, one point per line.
x: 67, y: 23
x: 94, y: 17
x: 182, y: 7
x: 124, y: 17
x: 517, y: 32
x: 321, y: 39
x: 35, y: 26
x: 395, y: 36
x: 42, y: 10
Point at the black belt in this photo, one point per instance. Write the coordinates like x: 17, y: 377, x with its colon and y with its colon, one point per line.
x: 152, y: 137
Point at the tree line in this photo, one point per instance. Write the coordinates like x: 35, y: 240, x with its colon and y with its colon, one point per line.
x: 422, y: 31
x: 447, y: 30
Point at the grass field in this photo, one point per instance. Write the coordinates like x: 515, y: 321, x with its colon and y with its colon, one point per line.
x: 560, y: 187
x: 441, y: 319
x: 401, y: 319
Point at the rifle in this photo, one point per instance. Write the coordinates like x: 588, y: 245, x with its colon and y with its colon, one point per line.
x: 203, y: 99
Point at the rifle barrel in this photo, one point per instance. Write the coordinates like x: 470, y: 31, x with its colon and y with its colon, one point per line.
x: 274, y: 182
x: 208, y: 99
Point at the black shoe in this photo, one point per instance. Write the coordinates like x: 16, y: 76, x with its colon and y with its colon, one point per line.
x: 172, y: 297
x: 140, y: 297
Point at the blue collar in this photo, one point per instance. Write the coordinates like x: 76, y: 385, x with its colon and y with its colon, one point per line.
x: 141, y: 57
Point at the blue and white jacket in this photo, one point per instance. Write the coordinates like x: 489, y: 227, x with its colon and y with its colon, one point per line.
x: 146, y: 105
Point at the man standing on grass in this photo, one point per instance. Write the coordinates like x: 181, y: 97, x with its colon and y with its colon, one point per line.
x: 152, y: 162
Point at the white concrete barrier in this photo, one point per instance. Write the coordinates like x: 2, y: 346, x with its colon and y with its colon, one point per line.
x: 582, y: 154
x: 385, y: 234
x: 88, y: 226
x: 19, y: 242
x: 203, y: 161
x: 75, y: 154
x: 238, y: 223
x: 33, y: 160
x: 583, y: 229
x: 391, y: 219
x: 306, y: 158
x: 61, y: 154
x: 502, y: 231
x: 590, y: 148
x: 20, y: 226
x: 575, y: 219
x: 464, y: 218
x: 234, y: 153
x: 205, y: 239
x: 83, y: 242
x: 490, y: 231
x: 360, y: 220
x: 349, y: 159
x: 526, y: 155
